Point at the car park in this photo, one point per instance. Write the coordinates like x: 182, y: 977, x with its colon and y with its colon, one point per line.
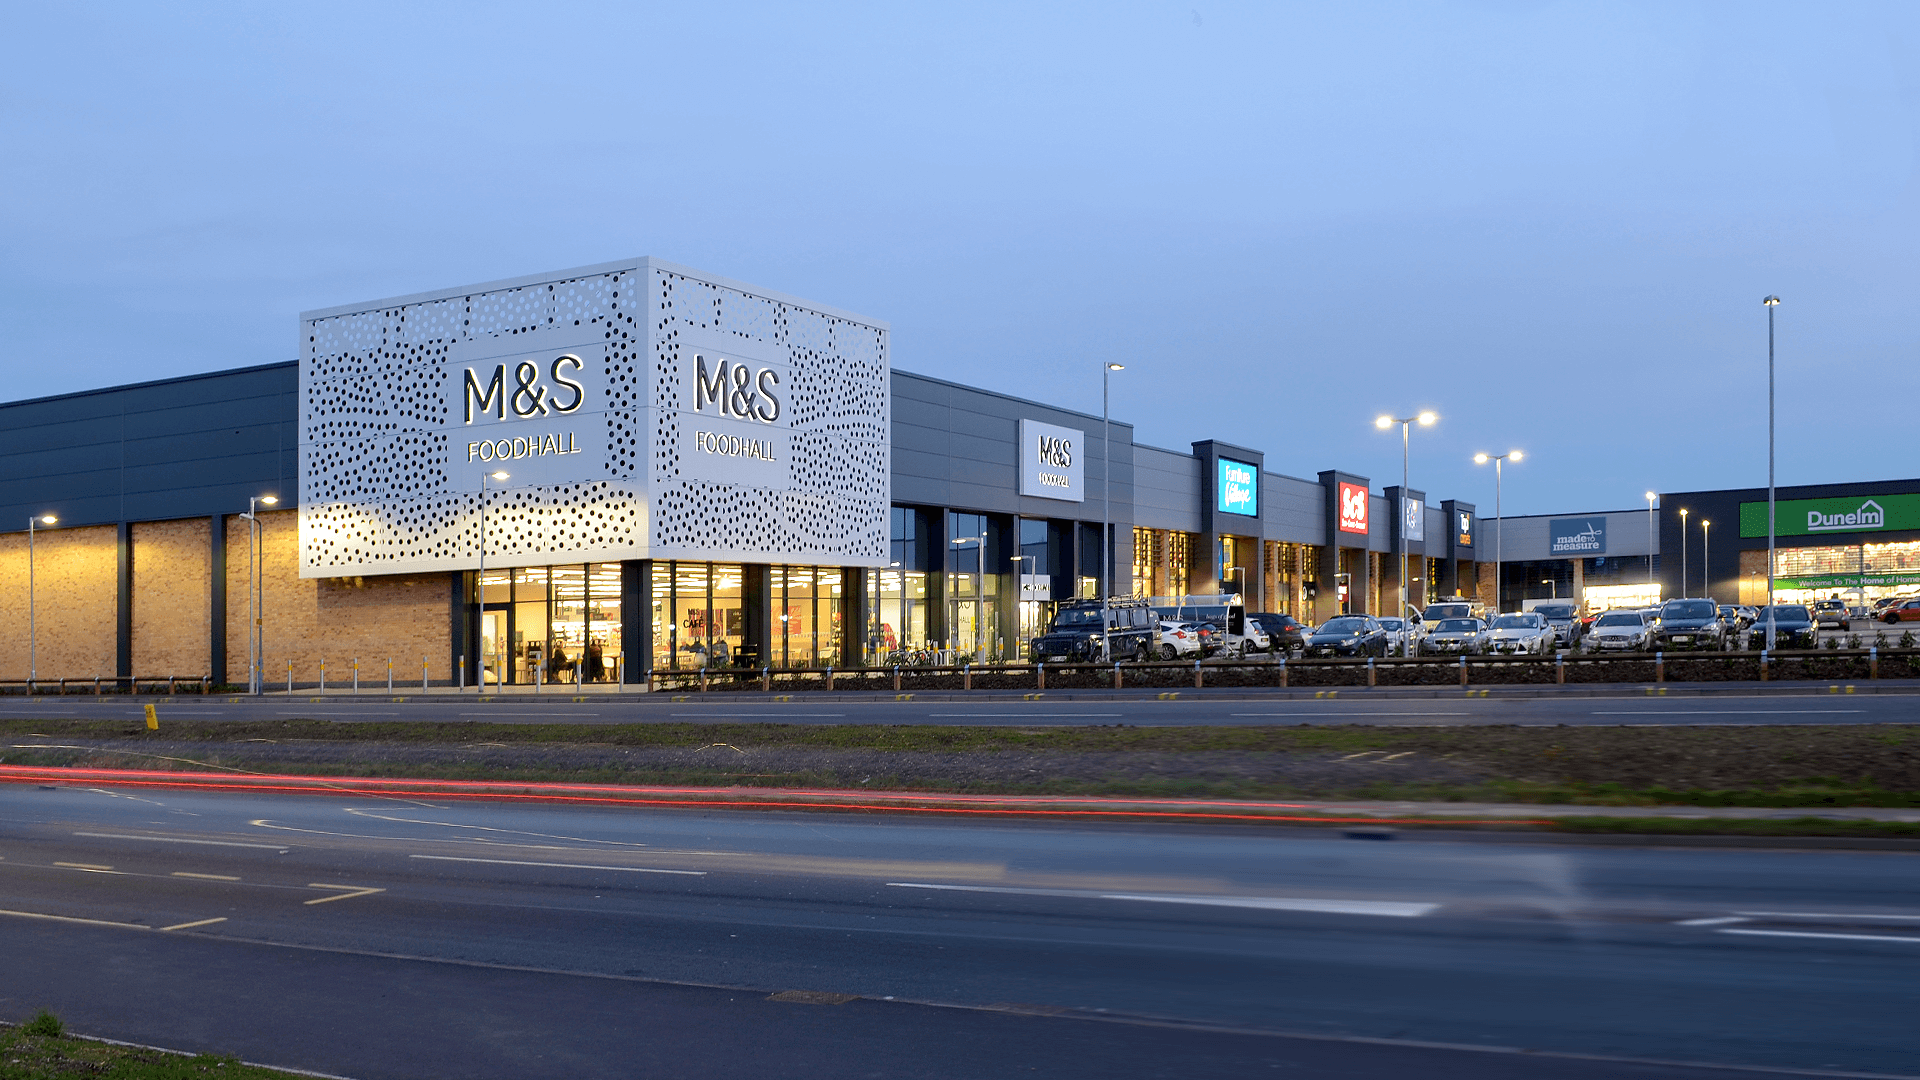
x: 1689, y: 624
x: 1526, y: 633
x: 1176, y: 641
x: 1447, y: 636
x: 1620, y: 631
x: 1349, y: 635
x: 1904, y: 611
x: 1284, y: 632
x: 1793, y: 627
x: 1830, y: 613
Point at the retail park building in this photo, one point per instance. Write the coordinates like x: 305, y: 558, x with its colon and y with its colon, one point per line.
x: 640, y: 466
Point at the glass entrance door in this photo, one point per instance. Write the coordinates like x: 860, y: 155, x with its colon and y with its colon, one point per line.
x: 493, y: 639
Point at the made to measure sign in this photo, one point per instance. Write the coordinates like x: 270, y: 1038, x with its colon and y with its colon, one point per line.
x: 1577, y: 536
x: 1237, y: 490
x: 1810, y: 517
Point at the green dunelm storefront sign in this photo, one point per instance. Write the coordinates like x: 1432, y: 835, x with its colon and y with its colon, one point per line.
x: 1811, y: 517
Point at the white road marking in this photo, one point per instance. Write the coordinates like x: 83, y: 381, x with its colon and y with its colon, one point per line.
x: 282, y: 848
x: 352, y: 891
x: 1817, y: 915
x: 90, y: 868
x: 1319, y: 712
x: 1397, y: 909
x: 725, y: 712
x: 562, y: 865
x: 191, y: 925
x: 1723, y: 712
x: 1721, y: 921
x: 204, y: 877
x: 1000, y: 715
x: 309, y: 712
x: 1813, y: 934
x: 73, y: 919
x: 508, y: 712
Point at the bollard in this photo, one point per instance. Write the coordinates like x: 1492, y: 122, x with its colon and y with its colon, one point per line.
x: 1560, y: 667
x: 1116, y: 674
x: 540, y: 677
x: 646, y: 675
x: 356, y: 674
x: 1763, y: 665
x: 620, y: 671
x: 1198, y: 678
x: 829, y: 676
x: 96, y: 686
x: 1463, y: 669
x: 289, y: 678
x: 423, y: 674
x: 966, y: 675
x: 703, y: 679
x: 579, y: 675
x: 1039, y: 674
x: 389, y: 674
x: 1370, y: 672
x: 896, y: 676
x: 169, y: 686
x: 1660, y: 667
x: 1283, y: 673
x: 1873, y: 661
x: 459, y: 669
x: 766, y: 677
x: 323, y: 678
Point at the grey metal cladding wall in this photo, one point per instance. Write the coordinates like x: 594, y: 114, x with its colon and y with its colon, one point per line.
x: 1167, y: 488
x: 1524, y: 539
x: 1295, y: 510
x: 958, y: 446
x: 1379, y: 523
x: 187, y: 447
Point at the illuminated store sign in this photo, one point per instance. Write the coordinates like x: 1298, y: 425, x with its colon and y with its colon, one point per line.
x: 1413, y: 518
x: 1577, y: 536
x: 1857, y: 513
x: 1237, y: 489
x: 1353, y: 508
x: 1051, y: 461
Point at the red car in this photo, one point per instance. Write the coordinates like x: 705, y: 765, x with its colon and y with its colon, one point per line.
x: 1904, y: 611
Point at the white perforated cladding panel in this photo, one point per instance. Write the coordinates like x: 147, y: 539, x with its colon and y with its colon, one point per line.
x: 387, y: 484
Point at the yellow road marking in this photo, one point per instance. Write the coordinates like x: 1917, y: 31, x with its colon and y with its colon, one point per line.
x: 191, y: 925
x: 89, y: 867
x: 352, y: 891
x: 206, y: 877
x: 74, y: 919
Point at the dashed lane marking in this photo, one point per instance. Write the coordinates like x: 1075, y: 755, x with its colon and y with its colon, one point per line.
x: 1829, y: 936
x: 191, y: 925
x: 562, y: 865
x: 91, y: 868
x: 281, y: 848
x: 1721, y: 921
x: 1392, y: 908
x: 204, y: 877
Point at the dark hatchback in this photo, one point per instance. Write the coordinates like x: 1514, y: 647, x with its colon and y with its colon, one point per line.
x: 1284, y: 632
x: 1793, y: 628
x: 1349, y: 635
x: 1690, y: 624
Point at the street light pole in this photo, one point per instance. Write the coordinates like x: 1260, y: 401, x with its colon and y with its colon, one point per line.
x: 1706, y: 559
x: 1425, y: 419
x: 1771, y: 302
x: 256, y: 634
x: 33, y: 638
x: 1650, y: 542
x: 1106, y: 509
x: 1553, y: 588
x: 1498, y: 516
x: 1683, y: 551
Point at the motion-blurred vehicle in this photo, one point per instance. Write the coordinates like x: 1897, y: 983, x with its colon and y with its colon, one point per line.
x: 1689, y: 624
x: 1736, y: 617
x: 1620, y: 631
x: 1830, y: 613
x: 1793, y: 628
x: 1526, y: 633
x: 1564, y: 621
x: 1447, y: 636
x: 1349, y: 635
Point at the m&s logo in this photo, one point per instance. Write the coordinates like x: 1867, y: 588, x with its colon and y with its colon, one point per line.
x: 736, y: 389
x: 528, y: 397
x: 1056, y: 452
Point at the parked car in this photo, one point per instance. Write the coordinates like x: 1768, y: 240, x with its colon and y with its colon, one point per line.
x: 1563, y: 619
x: 1520, y: 633
x: 1689, y: 624
x: 1904, y: 611
x: 1793, y: 627
x: 1468, y: 636
x: 1830, y: 613
x: 1453, y: 607
x: 1399, y: 633
x: 1620, y: 631
x: 1736, y: 617
x: 1079, y: 635
x: 1284, y: 632
x: 1349, y: 635
x: 1880, y: 606
x: 1177, y: 641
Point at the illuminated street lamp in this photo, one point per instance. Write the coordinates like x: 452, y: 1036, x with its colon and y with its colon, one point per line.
x: 1106, y: 506
x: 1706, y: 554
x: 256, y: 602
x: 1498, y: 460
x: 1771, y: 302
x: 1651, y: 498
x: 1425, y: 419
x: 1683, y: 552
x: 33, y: 641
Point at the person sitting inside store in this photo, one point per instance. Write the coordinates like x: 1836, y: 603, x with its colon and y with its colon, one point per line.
x: 721, y: 657
x: 596, y: 662
x: 558, y: 667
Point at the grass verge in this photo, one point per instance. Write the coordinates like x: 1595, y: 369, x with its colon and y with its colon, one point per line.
x: 41, y: 1049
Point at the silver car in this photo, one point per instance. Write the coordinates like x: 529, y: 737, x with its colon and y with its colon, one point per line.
x: 1468, y: 636
x: 1177, y: 640
x: 1528, y: 634
x: 1398, y: 635
x: 1620, y: 631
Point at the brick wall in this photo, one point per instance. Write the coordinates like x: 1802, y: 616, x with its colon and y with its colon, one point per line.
x: 172, y: 585
x: 74, y: 604
x: 307, y: 621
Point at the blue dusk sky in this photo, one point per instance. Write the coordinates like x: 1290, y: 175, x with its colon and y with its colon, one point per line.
x: 1552, y: 223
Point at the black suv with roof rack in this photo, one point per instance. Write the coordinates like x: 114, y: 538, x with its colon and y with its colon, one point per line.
x: 1077, y: 635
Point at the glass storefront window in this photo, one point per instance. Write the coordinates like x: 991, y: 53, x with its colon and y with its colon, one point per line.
x: 666, y: 637
x: 530, y: 653
x: 729, y: 619
x: 691, y: 620
x: 1179, y: 563
x: 831, y: 603
x: 972, y: 587
x: 602, y: 656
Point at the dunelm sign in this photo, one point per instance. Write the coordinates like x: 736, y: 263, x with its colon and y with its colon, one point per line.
x: 1810, y: 517
x: 1577, y: 536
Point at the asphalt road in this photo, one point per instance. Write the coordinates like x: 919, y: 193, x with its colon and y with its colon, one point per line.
x: 395, y: 938
x: 1679, y: 706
